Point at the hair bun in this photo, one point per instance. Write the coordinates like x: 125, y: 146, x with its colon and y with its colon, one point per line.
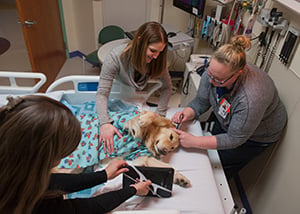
x: 240, y: 42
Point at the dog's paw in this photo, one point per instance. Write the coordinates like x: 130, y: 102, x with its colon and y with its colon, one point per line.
x: 146, y: 118
x: 181, y: 180
x: 143, y: 122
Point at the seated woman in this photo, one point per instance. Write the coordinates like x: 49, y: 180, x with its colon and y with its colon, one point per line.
x: 247, y: 111
x: 36, y: 132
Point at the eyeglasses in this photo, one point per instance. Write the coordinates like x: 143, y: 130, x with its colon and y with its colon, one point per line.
x: 218, y: 81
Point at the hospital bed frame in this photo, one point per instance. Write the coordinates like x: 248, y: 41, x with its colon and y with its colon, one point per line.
x: 84, y: 90
x: 10, y: 82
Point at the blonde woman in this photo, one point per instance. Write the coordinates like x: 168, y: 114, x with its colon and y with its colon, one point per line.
x: 248, y: 113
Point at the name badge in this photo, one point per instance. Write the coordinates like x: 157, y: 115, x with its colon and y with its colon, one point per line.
x: 224, y: 108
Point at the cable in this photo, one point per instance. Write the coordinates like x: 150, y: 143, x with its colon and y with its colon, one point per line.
x: 262, y: 43
x: 270, y: 59
x: 186, y: 84
x: 267, y: 49
x: 255, y: 37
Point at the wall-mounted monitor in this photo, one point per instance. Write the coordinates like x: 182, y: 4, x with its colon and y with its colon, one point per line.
x: 195, y: 7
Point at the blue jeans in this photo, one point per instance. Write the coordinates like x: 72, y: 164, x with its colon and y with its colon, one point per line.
x: 235, y: 159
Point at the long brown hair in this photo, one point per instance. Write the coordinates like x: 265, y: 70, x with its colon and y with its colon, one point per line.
x: 135, y: 52
x: 35, y: 133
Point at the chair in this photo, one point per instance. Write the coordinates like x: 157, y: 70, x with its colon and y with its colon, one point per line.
x: 107, y: 34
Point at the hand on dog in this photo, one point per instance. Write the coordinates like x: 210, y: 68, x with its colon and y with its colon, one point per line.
x: 178, y: 117
x: 200, y: 142
x: 115, y: 168
x: 107, y: 132
x: 183, y: 116
x: 186, y: 140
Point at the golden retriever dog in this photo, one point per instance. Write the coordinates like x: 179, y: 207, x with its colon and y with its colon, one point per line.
x: 159, y: 138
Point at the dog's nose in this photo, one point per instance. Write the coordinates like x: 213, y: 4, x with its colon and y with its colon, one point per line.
x: 163, y: 151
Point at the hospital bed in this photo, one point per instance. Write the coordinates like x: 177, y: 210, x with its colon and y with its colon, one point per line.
x: 209, y: 193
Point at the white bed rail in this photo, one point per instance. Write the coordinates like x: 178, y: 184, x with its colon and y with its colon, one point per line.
x: 88, y: 84
x: 38, y: 79
x: 75, y: 80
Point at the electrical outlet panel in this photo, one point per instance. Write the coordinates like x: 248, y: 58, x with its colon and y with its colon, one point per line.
x: 289, y: 45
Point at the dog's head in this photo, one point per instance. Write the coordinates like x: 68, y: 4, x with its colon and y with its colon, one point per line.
x: 156, y: 132
x: 162, y: 140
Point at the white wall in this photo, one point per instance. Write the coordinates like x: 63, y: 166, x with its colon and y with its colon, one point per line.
x: 175, y: 17
x: 79, y: 24
x: 84, y: 19
x: 121, y: 13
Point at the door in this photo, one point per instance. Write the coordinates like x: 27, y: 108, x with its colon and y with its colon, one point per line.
x: 43, y: 36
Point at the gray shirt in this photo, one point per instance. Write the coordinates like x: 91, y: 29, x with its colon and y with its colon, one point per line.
x: 113, y: 68
x: 256, y: 111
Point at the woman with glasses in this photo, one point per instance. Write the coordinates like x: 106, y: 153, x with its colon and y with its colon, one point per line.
x: 247, y: 112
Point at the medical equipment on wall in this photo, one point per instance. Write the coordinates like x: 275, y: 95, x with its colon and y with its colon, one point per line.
x: 271, y: 20
x: 227, y: 22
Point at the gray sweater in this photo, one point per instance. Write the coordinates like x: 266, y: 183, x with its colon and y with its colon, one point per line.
x: 113, y: 68
x: 256, y: 111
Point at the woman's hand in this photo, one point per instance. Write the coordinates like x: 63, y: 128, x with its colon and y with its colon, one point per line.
x: 115, y: 168
x: 107, y: 132
x: 142, y: 188
x: 178, y: 117
x: 191, y: 141
x: 182, y: 116
x: 187, y: 140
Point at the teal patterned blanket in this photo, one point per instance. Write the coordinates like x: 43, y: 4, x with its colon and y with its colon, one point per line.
x: 89, y: 151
